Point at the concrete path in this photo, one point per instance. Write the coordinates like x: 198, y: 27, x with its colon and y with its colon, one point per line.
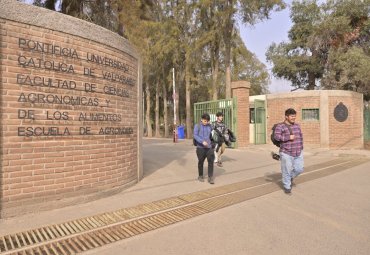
x: 328, y: 215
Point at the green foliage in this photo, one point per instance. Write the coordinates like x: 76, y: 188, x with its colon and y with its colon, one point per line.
x: 250, y: 12
x: 329, y: 46
x: 247, y: 67
x: 253, y: 11
x: 349, y: 70
x: 197, y: 38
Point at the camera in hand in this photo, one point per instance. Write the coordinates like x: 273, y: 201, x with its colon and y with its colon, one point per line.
x: 275, y: 156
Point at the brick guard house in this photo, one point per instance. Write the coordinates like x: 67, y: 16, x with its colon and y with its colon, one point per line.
x: 328, y: 118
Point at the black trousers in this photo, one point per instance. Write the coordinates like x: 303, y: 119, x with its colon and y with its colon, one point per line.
x: 202, y: 154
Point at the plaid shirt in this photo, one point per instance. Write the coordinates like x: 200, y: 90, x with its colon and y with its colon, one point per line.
x: 282, y: 134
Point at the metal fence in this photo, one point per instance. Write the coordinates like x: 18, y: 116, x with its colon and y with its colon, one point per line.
x: 367, y: 124
x: 226, y: 106
x: 259, y: 122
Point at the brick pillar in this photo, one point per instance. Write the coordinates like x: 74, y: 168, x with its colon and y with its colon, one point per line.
x: 240, y: 91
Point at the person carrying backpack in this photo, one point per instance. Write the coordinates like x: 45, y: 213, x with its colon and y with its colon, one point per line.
x: 221, y: 132
x: 202, y: 139
x: 290, y: 138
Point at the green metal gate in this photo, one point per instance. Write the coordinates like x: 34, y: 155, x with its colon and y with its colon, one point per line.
x: 259, y: 122
x: 226, y: 106
x: 367, y: 124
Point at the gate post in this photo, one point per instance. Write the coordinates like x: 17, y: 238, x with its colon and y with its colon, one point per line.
x: 240, y: 91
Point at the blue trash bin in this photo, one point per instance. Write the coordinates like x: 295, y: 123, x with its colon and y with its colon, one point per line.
x: 181, y: 132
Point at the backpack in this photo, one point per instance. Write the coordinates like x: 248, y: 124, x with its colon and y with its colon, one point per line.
x: 215, y: 137
x: 275, y: 142
x: 232, y: 136
x: 195, y: 143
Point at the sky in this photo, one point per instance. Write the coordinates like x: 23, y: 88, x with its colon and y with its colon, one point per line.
x: 259, y: 37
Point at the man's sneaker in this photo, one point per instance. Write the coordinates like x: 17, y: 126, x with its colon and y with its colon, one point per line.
x: 211, y: 180
x: 288, y: 191
x: 201, y: 178
x: 219, y: 164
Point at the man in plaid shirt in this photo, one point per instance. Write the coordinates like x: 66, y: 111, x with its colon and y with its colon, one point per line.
x: 291, y: 149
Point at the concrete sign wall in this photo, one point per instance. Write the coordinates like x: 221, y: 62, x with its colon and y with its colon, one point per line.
x: 69, y: 110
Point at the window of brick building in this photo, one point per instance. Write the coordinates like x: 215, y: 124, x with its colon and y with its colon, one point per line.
x: 251, y: 115
x: 253, y: 118
x: 310, y: 114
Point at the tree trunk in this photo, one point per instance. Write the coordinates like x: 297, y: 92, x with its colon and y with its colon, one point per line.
x: 121, y: 28
x: 165, y: 112
x: 311, y: 81
x: 149, y: 130
x: 73, y: 8
x: 228, y: 81
x: 188, y: 105
x: 157, y: 128
x: 50, y: 4
x: 179, y: 79
x: 227, y: 38
x: 215, y: 66
x: 311, y: 75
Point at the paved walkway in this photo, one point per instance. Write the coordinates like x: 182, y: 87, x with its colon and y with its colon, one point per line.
x: 328, y: 214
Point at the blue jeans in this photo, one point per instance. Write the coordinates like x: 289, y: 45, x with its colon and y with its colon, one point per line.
x: 291, y: 167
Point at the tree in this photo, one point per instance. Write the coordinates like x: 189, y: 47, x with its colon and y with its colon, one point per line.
x: 210, y: 39
x: 349, y: 70
x: 190, y: 57
x: 347, y: 65
x: 188, y: 36
x: 153, y: 29
x: 300, y: 60
x: 329, y: 46
x: 138, y: 29
x: 246, y: 66
x: 251, y: 12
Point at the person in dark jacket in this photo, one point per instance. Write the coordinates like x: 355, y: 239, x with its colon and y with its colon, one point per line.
x: 202, y: 135
x: 221, y: 131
